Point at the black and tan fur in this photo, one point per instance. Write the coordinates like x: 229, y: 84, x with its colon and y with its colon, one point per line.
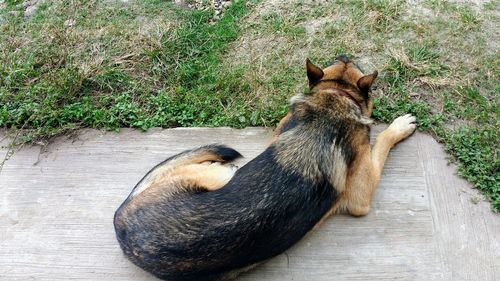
x: 193, y: 217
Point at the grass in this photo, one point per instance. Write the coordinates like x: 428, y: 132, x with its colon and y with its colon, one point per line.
x: 94, y: 77
x: 152, y: 63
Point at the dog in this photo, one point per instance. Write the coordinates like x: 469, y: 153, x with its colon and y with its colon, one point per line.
x: 196, y: 217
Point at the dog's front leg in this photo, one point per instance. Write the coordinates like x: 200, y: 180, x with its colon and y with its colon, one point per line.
x: 365, y: 171
x: 401, y: 128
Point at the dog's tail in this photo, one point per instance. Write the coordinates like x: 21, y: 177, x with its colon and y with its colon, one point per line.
x: 212, y: 153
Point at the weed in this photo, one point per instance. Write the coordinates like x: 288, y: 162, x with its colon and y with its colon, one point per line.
x: 479, y: 162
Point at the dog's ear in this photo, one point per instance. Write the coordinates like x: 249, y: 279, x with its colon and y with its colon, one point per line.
x: 365, y: 82
x: 314, y: 73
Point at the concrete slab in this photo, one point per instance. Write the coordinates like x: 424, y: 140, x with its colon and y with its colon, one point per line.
x: 56, y: 209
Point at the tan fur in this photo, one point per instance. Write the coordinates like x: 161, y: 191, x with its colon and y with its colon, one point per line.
x: 279, y: 128
x: 334, y: 71
x: 158, y: 175
x: 207, y: 176
x: 210, y: 177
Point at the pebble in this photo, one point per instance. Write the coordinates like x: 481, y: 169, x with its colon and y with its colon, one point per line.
x: 30, y: 7
x: 69, y: 23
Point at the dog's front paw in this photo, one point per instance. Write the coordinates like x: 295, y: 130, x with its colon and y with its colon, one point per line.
x: 402, y: 127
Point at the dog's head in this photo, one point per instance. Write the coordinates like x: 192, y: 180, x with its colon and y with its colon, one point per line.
x: 347, y: 78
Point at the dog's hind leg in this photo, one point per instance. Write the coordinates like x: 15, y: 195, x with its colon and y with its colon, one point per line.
x: 201, y: 167
x: 365, y: 171
x: 210, y: 176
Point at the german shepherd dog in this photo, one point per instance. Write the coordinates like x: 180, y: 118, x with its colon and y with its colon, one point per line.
x: 196, y: 217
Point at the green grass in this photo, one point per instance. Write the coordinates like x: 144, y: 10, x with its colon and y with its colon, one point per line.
x: 49, y: 89
x: 152, y: 63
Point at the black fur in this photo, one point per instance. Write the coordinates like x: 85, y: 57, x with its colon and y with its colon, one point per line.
x: 226, y: 153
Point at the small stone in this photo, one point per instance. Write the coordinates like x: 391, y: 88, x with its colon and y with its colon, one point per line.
x: 30, y: 11
x: 69, y: 23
